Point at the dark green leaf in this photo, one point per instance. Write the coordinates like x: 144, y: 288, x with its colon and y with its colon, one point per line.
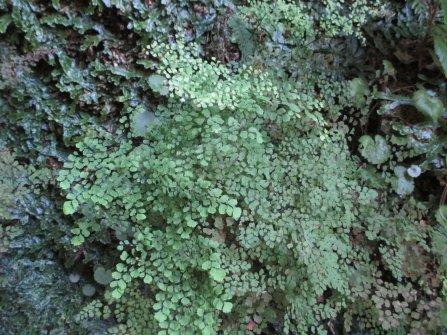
x: 103, y: 276
x: 5, y: 20
x: 440, y: 42
x: 88, y: 290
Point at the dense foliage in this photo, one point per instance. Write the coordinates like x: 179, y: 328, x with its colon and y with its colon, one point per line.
x: 218, y: 167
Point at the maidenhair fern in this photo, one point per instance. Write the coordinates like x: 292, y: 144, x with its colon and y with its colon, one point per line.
x: 237, y: 205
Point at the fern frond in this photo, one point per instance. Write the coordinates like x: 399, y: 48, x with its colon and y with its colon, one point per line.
x: 242, y: 36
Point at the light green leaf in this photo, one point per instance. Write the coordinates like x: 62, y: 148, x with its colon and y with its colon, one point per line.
x: 77, y: 240
x: 227, y: 307
x: 66, y: 63
x: 56, y: 4
x: 124, y: 255
x: 206, y: 265
x: 160, y: 317
x: 218, y: 274
x: 222, y: 209
x: 216, y: 192
x: 68, y: 208
x: 229, y: 211
x: 140, y: 217
x: 402, y: 184
x: 431, y: 106
x: 237, y: 213
x: 89, y: 41
x: 117, y: 293
x: 147, y: 64
x: 65, y: 185
x: 158, y: 84
x: 116, y: 275
x: 358, y: 88
x: 376, y: 151
x: 142, y: 121
x: 388, y: 68
x: 191, y: 223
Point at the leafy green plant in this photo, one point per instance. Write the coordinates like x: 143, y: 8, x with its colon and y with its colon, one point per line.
x: 226, y: 214
x: 414, y: 140
x: 210, y: 167
x: 376, y: 150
